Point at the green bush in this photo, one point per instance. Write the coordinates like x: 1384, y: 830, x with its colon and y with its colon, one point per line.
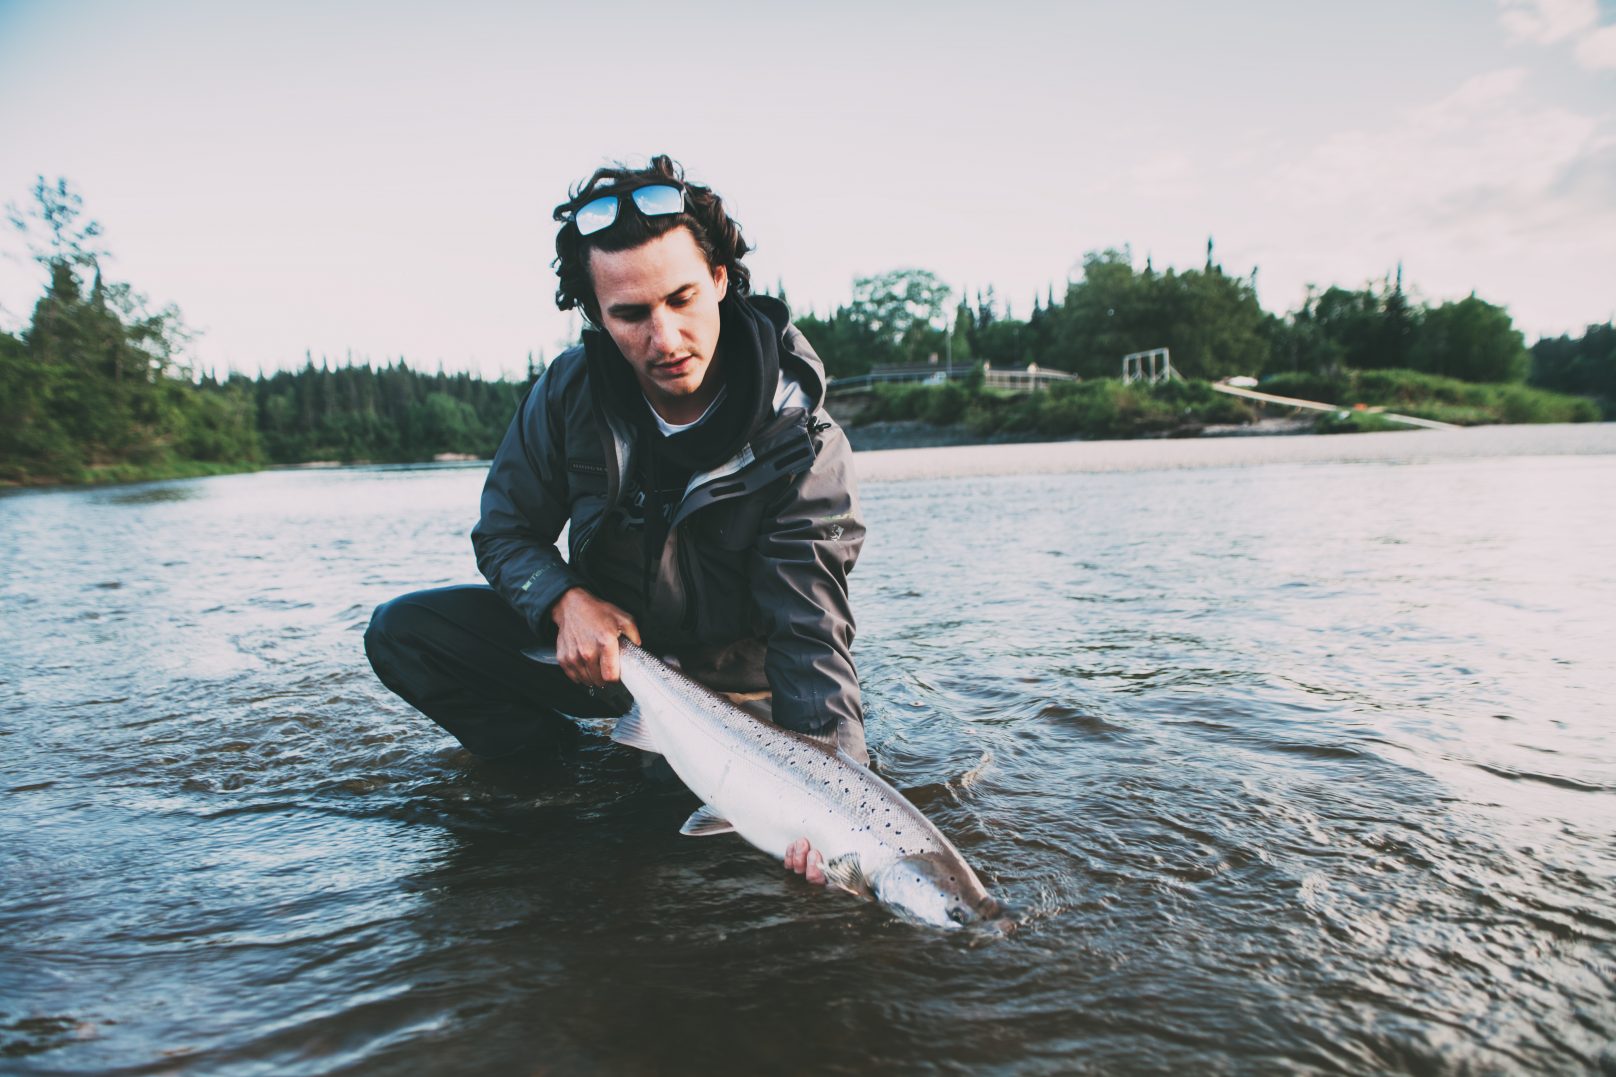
x: 1432, y: 396
x: 1099, y: 408
x: 988, y: 413
x: 1457, y: 414
x: 1107, y: 408
x: 895, y: 403
x: 1524, y: 405
x: 1354, y: 422
x: 1328, y: 388
x: 944, y: 405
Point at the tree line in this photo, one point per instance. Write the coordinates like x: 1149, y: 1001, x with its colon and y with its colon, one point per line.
x: 1213, y: 325
x: 391, y: 414
x: 96, y: 386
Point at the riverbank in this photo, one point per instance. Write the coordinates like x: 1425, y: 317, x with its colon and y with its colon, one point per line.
x: 1155, y: 454
x: 914, y: 449
x: 917, y: 434
x: 893, y: 416
x: 124, y: 473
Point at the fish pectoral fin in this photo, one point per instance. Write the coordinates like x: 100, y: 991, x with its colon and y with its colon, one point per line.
x: 632, y: 729
x: 704, y: 822
x: 845, y: 872
x: 546, y: 655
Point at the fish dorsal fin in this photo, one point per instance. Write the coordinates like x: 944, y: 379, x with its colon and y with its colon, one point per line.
x: 704, y: 822
x: 845, y: 872
x: 546, y: 655
x: 632, y: 729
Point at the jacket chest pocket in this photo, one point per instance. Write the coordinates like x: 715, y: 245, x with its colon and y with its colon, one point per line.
x: 585, y: 480
x: 733, y: 525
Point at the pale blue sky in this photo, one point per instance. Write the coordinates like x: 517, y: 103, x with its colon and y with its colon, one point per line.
x: 378, y: 178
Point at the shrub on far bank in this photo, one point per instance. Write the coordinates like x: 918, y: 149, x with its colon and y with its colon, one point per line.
x: 1431, y: 396
x: 944, y: 405
x: 1100, y: 408
x: 1355, y: 422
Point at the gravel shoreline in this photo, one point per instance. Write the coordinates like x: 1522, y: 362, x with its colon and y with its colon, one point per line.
x: 1059, y: 457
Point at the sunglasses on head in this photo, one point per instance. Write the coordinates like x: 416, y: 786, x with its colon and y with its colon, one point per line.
x: 657, y: 200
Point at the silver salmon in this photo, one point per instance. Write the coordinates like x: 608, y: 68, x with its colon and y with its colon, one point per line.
x: 772, y: 786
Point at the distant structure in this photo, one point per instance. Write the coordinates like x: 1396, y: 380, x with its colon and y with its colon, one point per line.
x: 1154, y: 366
x: 1030, y: 379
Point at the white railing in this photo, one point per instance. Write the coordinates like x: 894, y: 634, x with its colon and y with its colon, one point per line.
x: 1030, y: 379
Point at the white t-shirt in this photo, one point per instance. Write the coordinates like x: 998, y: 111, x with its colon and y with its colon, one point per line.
x: 788, y: 392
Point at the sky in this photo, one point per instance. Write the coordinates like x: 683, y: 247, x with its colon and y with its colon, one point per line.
x: 376, y: 181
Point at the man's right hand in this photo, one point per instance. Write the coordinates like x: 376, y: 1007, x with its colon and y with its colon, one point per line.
x: 586, y: 637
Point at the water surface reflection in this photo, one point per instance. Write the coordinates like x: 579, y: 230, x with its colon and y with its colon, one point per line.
x: 1293, y: 765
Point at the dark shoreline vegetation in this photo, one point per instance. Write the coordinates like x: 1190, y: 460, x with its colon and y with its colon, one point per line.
x: 95, y: 388
x: 1107, y: 408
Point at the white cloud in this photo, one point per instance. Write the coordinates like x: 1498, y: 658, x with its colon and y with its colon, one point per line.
x: 1547, y: 21
x: 1483, y: 189
x: 1480, y: 149
x: 1597, y: 50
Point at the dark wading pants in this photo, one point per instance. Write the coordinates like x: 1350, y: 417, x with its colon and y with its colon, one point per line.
x: 455, y: 654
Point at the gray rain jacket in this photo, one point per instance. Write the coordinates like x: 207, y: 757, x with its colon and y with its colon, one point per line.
x: 751, y: 590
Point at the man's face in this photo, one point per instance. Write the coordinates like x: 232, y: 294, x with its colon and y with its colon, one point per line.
x: 659, y: 302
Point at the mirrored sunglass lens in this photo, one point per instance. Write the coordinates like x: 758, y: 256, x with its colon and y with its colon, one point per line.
x: 659, y: 199
x: 593, y: 216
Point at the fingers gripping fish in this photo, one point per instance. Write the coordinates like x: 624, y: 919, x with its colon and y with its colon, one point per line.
x: 772, y: 786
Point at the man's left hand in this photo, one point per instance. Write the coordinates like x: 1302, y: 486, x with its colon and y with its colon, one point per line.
x: 806, y: 861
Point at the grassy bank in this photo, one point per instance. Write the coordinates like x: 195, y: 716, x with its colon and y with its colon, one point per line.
x: 1107, y: 408
x: 154, y: 470
x: 1101, y: 408
x: 1428, y: 396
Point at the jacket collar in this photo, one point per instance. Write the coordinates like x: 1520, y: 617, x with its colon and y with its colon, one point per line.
x: 796, y: 354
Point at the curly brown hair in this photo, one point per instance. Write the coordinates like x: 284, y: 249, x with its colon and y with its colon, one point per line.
x: 714, y: 230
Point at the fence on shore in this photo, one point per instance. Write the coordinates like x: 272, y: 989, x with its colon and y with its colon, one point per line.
x: 1030, y: 379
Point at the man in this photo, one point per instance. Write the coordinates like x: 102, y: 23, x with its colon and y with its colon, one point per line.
x: 710, y: 499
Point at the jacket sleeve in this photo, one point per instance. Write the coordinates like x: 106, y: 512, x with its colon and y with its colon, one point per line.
x: 524, y: 507
x: 808, y: 543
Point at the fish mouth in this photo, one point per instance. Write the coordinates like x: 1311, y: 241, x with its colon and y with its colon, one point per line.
x: 993, y: 918
x: 942, y: 892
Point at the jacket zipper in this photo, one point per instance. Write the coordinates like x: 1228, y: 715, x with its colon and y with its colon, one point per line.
x: 681, y: 559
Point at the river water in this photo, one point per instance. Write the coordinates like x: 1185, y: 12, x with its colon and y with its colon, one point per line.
x: 1296, y: 756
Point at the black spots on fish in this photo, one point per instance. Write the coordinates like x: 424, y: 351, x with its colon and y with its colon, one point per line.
x: 889, y: 826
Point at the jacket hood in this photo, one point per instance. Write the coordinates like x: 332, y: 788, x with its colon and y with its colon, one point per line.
x: 797, y: 356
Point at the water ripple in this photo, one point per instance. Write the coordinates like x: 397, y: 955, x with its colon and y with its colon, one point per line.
x: 1272, y: 786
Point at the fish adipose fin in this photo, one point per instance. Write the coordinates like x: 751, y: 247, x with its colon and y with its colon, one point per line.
x: 704, y: 821
x: 844, y: 872
x: 632, y: 730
